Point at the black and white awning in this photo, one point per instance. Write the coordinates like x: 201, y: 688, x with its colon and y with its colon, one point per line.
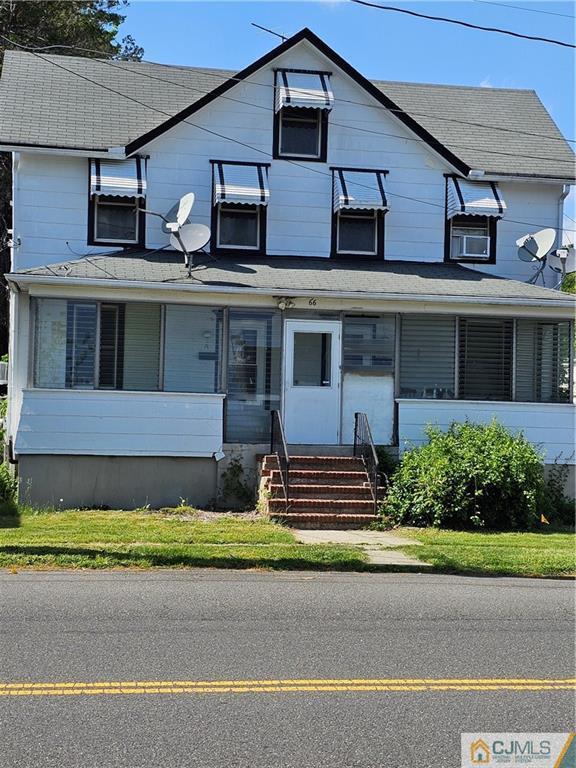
x: 359, y: 190
x: 303, y: 89
x: 241, y: 183
x: 119, y: 178
x: 474, y: 198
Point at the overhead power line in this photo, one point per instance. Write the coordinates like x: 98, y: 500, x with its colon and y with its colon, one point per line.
x: 212, y: 73
x: 249, y: 146
x: 467, y: 24
x: 521, y: 8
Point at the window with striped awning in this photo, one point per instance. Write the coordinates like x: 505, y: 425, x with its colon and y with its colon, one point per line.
x: 474, y: 198
x: 359, y: 189
x: 241, y: 183
x: 303, y: 89
x: 118, y: 178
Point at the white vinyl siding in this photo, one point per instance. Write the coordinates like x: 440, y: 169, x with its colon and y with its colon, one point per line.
x: 192, y: 349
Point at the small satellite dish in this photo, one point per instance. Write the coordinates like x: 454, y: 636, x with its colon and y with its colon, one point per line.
x: 190, y: 238
x: 177, y: 216
x: 537, y: 246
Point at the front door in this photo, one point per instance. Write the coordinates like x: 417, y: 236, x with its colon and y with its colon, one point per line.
x: 312, y: 382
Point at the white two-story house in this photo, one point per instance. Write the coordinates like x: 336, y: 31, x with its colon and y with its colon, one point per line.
x: 362, y: 258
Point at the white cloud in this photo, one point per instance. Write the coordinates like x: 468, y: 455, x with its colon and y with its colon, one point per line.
x: 486, y: 82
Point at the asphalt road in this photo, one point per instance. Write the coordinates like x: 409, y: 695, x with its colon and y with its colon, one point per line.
x: 63, y: 627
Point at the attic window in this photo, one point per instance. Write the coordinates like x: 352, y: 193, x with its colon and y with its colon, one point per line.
x: 303, y: 100
x: 360, y: 203
x: 472, y: 213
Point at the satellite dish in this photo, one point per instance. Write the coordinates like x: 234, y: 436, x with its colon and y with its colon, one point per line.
x: 190, y: 238
x: 537, y: 246
x: 177, y: 216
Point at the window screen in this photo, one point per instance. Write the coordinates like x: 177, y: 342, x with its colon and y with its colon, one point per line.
x: 192, y: 348
x: 427, y: 352
x: 485, y: 359
x: 142, y: 346
x: 81, y: 344
x: 369, y: 343
x: 50, y: 342
x: 542, y: 361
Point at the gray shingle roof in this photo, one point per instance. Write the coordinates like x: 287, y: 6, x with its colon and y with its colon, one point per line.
x: 43, y: 104
x: 315, y: 275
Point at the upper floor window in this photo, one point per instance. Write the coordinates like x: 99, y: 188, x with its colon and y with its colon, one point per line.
x: 241, y: 196
x: 358, y: 219
x: 472, y: 212
x: 303, y: 100
x: 117, y: 196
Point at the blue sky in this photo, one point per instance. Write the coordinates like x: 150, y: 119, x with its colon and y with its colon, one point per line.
x: 385, y: 45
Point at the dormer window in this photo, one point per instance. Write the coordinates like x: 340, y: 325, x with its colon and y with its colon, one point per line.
x: 472, y: 213
x: 241, y: 196
x: 303, y: 100
x: 360, y: 204
x: 117, y: 197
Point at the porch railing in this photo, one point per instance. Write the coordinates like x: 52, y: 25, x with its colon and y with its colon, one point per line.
x: 365, y: 449
x: 279, y: 449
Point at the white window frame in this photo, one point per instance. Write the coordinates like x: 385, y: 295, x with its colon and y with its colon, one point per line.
x: 303, y: 118
x: 126, y: 202
x: 238, y: 209
x: 358, y: 214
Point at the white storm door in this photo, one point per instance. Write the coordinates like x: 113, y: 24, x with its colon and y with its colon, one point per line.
x: 312, y: 381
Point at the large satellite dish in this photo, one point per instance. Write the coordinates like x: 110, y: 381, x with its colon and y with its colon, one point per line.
x: 189, y: 239
x: 537, y: 246
x: 178, y: 215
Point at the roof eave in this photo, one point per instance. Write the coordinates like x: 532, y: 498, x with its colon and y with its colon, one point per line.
x: 27, y: 279
x: 55, y: 149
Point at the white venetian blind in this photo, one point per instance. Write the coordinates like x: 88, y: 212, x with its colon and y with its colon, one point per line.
x: 142, y: 324
x: 542, y: 361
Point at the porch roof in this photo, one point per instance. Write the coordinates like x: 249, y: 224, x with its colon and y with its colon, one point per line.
x: 298, y: 275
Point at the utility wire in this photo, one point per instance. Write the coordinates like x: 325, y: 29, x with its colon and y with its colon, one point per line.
x: 230, y: 76
x: 249, y: 146
x: 521, y: 8
x: 467, y: 24
x: 332, y: 122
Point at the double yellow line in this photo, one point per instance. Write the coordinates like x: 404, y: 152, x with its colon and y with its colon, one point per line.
x: 418, y: 685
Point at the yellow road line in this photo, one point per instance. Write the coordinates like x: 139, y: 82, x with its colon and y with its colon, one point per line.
x: 315, y: 685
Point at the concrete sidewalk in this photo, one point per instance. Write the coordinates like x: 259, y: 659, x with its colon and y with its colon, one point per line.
x: 380, y: 546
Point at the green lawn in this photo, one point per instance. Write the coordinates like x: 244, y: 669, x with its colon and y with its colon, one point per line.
x: 512, y: 554
x: 95, y: 539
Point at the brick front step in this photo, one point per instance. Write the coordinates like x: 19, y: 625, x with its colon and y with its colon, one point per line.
x: 321, y: 477
x: 324, y: 491
x: 332, y: 506
x: 324, y: 520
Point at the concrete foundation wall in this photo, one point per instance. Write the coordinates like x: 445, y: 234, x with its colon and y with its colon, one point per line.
x: 120, y: 482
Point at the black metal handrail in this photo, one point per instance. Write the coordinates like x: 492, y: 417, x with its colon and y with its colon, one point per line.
x: 279, y: 448
x: 365, y: 449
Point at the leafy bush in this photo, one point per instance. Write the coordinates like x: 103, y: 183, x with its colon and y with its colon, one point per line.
x: 569, y: 283
x: 387, y: 463
x: 471, y: 476
x: 557, y: 507
x: 8, y: 489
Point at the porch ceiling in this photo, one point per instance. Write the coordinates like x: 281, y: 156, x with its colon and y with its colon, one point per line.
x: 297, y: 275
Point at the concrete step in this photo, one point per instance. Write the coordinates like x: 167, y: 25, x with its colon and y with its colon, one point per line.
x: 320, y: 520
x: 327, y: 463
x: 324, y: 491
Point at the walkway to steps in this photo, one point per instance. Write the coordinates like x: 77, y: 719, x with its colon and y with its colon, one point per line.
x: 324, y: 492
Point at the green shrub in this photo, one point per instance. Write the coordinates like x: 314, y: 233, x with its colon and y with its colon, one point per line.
x: 471, y: 476
x: 8, y: 489
x: 387, y: 463
x: 557, y: 507
x: 569, y: 283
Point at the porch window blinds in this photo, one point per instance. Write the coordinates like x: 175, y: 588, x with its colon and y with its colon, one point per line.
x: 142, y: 347
x: 485, y: 359
x: 369, y: 343
x: 542, y: 361
x: 427, y: 356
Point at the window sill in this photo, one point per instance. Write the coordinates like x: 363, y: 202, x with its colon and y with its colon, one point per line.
x: 122, y: 392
